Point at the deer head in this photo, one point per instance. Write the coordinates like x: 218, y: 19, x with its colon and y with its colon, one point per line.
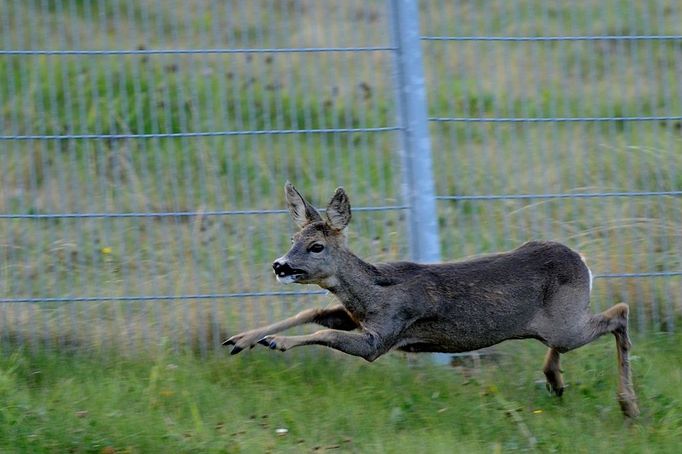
x: 319, y: 244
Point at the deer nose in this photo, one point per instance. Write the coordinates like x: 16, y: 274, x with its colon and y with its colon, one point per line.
x: 282, y: 268
x: 280, y: 265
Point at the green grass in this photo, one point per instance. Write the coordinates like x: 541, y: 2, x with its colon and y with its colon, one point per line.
x: 58, y: 402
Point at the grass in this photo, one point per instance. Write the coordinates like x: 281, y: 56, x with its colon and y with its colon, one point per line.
x: 58, y: 402
x: 148, y: 94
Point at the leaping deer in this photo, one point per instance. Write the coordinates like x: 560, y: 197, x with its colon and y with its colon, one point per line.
x: 540, y: 290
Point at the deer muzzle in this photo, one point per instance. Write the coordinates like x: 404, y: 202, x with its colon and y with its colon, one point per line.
x: 285, y: 273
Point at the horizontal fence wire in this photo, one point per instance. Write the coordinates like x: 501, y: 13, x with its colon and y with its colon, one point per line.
x: 175, y: 135
x: 589, y: 195
x: 209, y: 296
x: 553, y: 119
x: 274, y: 50
x: 556, y: 38
x: 175, y: 214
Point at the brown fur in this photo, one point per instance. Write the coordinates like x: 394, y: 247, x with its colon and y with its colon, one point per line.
x: 540, y: 290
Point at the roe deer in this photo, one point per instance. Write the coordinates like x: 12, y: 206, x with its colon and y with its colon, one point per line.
x: 540, y: 290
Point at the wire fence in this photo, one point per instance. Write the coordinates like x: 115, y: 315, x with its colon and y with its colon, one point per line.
x: 567, y: 126
x: 145, y: 145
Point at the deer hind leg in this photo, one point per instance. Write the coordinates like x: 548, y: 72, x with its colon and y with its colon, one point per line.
x: 613, y: 320
x: 552, y: 370
x: 626, y: 392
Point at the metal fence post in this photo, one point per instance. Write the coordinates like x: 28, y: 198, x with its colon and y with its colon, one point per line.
x: 418, y: 183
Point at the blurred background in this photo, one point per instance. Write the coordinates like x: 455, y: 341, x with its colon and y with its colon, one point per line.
x: 145, y: 145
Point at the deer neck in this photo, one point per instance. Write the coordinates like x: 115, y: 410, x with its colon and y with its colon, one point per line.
x: 353, y: 283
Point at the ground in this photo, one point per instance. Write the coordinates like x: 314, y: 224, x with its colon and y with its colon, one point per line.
x: 314, y: 401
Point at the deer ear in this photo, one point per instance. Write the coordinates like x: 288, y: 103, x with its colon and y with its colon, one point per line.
x: 301, y: 211
x: 338, y: 211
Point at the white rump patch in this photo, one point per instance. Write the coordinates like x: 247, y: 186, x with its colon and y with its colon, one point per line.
x: 589, y: 271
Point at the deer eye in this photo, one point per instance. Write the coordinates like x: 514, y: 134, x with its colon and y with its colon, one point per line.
x: 316, y: 248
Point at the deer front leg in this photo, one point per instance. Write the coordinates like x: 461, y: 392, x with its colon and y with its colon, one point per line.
x: 334, y: 317
x: 366, y: 345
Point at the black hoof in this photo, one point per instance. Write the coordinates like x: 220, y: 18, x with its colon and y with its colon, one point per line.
x: 271, y: 344
x: 557, y: 392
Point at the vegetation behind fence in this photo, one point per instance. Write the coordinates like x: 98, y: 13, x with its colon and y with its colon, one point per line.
x: 145, y: 146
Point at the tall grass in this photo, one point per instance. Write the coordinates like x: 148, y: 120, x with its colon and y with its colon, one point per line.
x: 166, y: 94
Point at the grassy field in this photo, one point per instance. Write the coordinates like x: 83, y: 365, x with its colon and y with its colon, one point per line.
x: 93, y: 376
x: 175, y: 93
x: 80, y: 403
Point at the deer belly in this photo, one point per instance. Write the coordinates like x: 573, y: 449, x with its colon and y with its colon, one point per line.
x: 456, y: 337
